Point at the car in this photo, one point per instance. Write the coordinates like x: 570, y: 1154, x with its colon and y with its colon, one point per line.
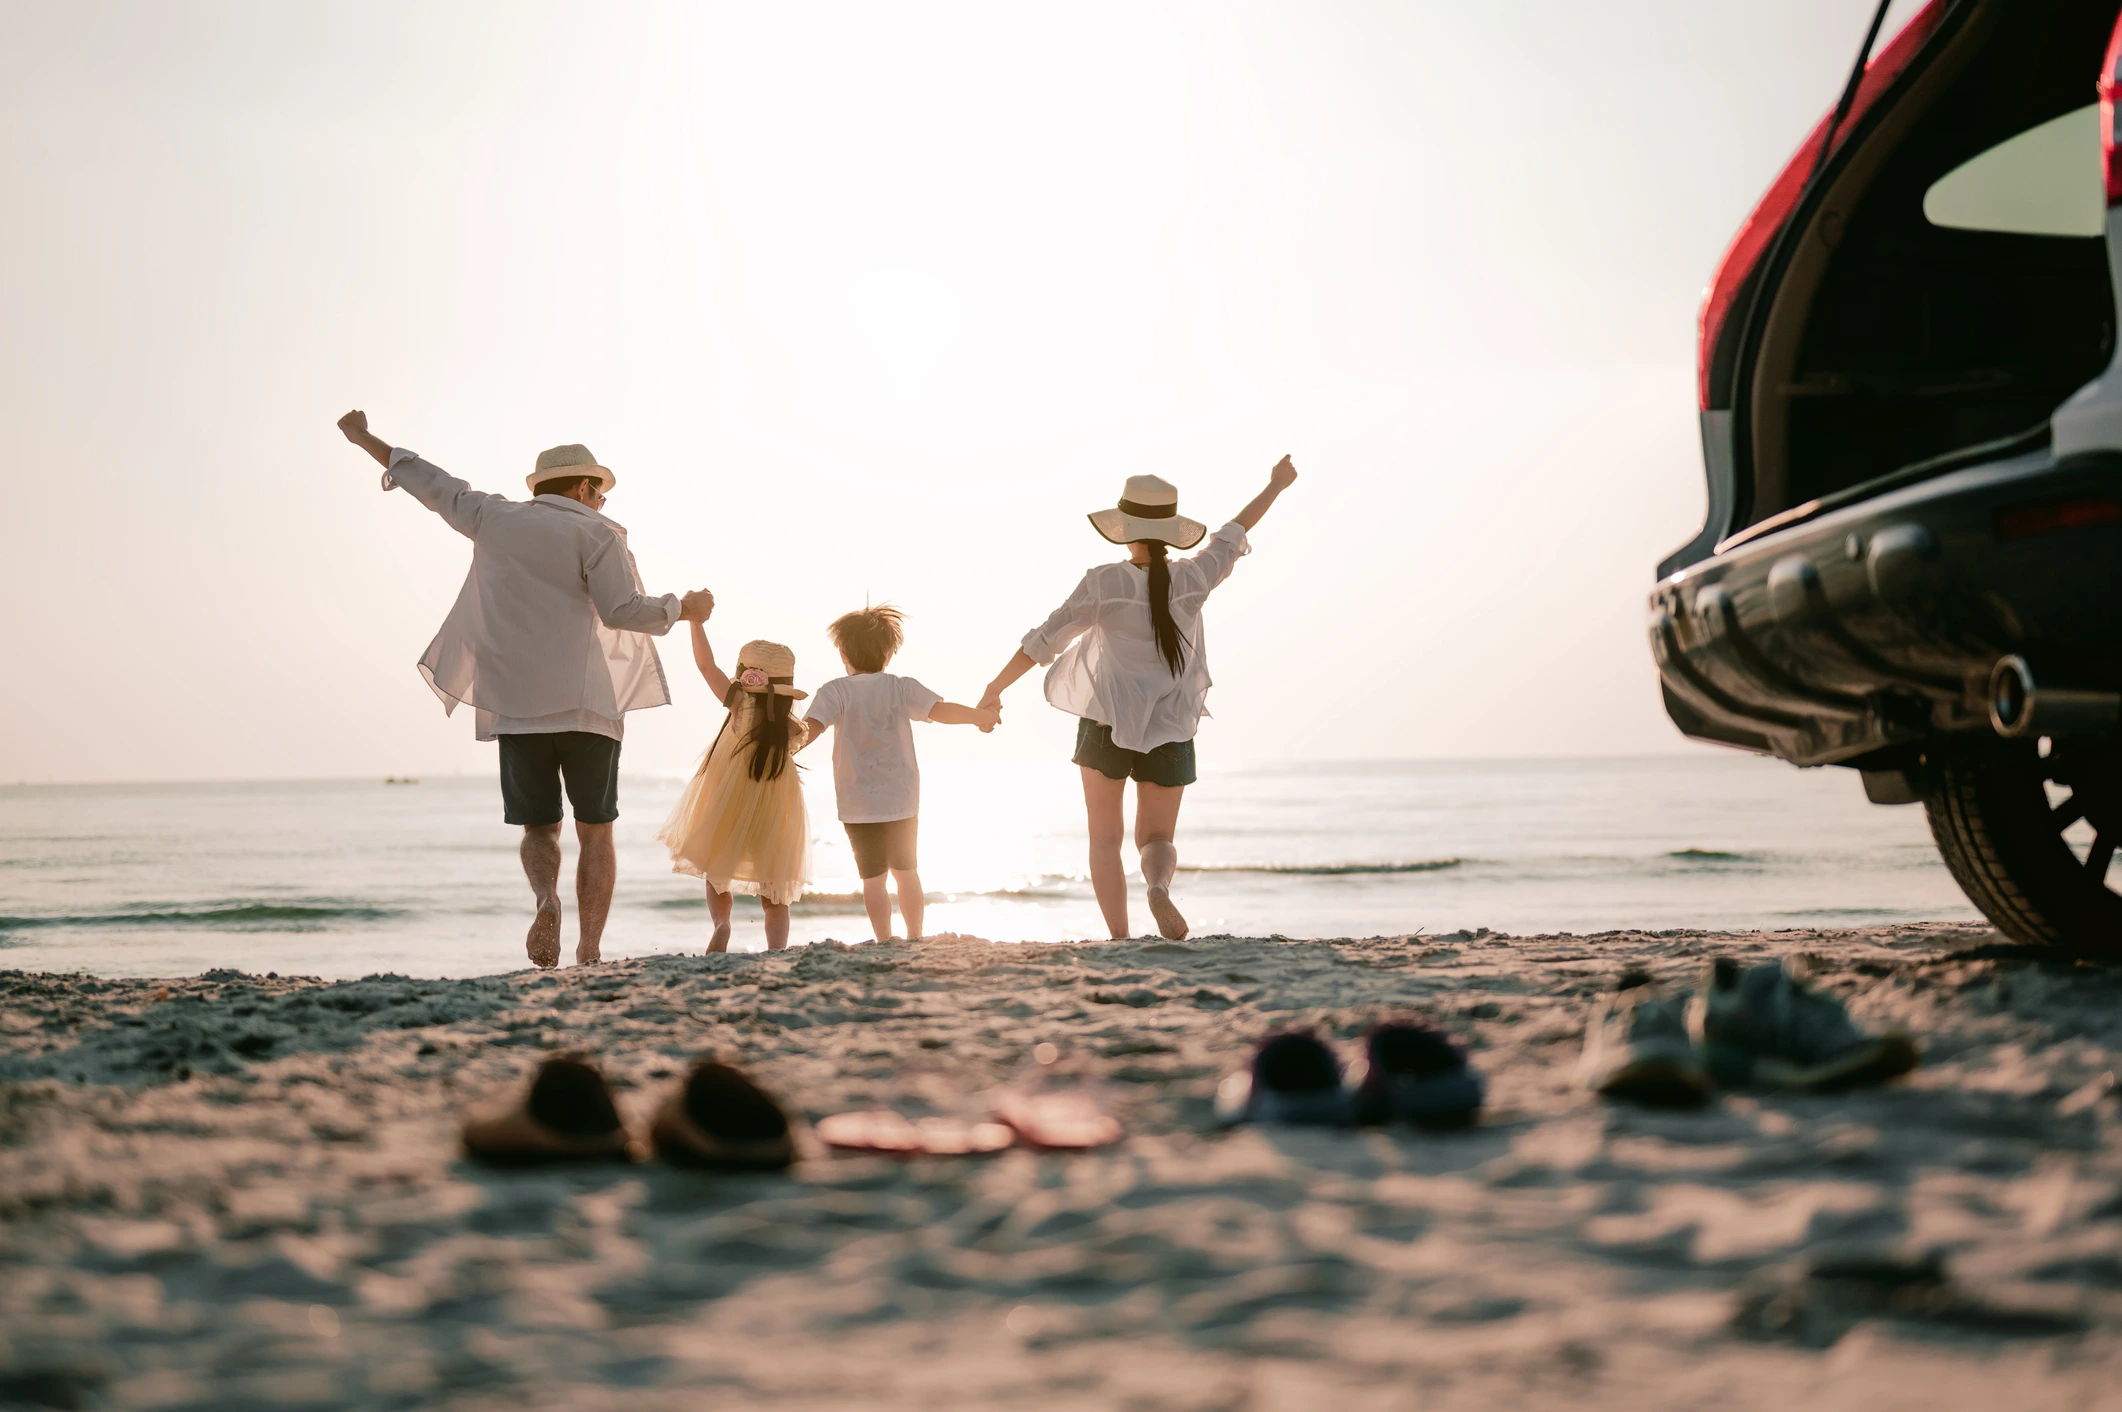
x: 1911, y: 417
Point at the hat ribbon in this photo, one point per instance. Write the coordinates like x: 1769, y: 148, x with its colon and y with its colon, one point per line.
x: 1149, y: 512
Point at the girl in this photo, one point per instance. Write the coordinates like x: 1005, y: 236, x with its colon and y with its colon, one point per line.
x: 1137, y: 676
x: 740, y: 823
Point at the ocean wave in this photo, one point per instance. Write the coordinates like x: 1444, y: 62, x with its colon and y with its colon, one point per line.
x: 1848, y: 913
x: 812, y: 904
x: 230, y: 916
x: 1327, y: 870
x: 1711, y: 855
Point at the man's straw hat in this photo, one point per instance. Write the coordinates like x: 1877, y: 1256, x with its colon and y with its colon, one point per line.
x: 569, y: 461
x: 1148, y: 509
x: 772, y: 661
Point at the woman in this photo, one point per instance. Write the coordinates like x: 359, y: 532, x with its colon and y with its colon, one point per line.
x: 1136, y: 672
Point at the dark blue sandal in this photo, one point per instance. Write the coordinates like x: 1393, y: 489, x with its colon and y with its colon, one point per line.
x: 1417, y: 1076
x: 1293, y: 1079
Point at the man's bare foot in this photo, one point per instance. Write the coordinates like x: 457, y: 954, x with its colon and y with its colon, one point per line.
x: 720, y: 940
x: 587, y: 956
x: 1170, y: 925
x: 543, y: 943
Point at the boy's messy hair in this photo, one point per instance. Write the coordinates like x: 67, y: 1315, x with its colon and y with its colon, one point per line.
x: 868, y: 638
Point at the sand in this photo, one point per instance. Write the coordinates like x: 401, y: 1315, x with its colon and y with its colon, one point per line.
x: 233, y: 1191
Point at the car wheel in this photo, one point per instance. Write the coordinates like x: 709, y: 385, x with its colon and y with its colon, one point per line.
x: 2032, y: 839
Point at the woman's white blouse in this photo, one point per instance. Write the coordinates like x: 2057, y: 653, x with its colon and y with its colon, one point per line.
x: 1111, y: 671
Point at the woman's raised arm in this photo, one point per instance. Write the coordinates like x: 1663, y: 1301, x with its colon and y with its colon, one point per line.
x: 1281, y: 478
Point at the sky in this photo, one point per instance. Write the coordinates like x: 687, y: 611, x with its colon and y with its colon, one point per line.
x: 866, y: 302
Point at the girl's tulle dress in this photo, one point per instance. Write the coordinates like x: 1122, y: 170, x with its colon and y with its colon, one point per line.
x: 741, y: 834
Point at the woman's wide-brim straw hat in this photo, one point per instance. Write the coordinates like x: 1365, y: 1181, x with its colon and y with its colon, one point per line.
x: 776, y: 661
x: 569, y: 461
x: 1149, y: 509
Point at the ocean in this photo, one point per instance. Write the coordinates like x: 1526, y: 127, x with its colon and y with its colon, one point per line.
x: 347, y: 878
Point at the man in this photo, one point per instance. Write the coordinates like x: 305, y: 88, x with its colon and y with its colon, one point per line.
x: 549, y: 645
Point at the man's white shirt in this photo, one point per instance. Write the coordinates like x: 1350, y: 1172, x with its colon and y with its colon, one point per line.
x: 551, y: 631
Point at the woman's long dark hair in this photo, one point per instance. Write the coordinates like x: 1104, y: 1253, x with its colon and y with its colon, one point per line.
x: 1170, y: 645
x: 769, y: 734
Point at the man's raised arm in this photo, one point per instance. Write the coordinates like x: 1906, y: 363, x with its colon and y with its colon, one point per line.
x: 454, y: 500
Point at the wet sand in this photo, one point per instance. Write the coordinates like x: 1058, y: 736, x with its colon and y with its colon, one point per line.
x: 235, y: 1191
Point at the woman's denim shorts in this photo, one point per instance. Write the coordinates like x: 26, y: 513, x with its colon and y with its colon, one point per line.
x: 1170, y: 765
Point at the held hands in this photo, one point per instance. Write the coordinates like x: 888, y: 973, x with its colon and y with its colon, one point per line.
x: 1284, y: 475
x: 987, y: 717
x: 695, y: 607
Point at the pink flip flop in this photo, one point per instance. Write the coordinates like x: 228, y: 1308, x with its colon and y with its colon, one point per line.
x: 880, y: 1130
x: 1057, y: 1104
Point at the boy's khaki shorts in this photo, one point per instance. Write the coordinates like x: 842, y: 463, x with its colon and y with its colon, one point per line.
x: 881, y: 846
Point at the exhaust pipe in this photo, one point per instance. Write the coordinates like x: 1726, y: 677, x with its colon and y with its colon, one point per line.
x: 2019, y: 707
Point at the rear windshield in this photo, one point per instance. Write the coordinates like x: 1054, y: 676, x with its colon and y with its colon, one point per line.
x: 2043, y: 181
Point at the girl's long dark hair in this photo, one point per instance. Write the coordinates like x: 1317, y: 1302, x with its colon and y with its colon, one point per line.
x: 1170, y: 645
x: 769, y: 734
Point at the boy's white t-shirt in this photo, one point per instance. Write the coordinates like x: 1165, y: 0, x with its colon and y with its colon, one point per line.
x: 874, y: 771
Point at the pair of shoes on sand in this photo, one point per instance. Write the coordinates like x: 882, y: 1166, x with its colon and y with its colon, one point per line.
x: 1055, y: 1105
x: 1752, y: 1027
x: 716, y: 1119
x: 1408, y: 1073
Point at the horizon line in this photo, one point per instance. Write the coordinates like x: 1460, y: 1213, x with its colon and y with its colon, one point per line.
x: 1701, y: 753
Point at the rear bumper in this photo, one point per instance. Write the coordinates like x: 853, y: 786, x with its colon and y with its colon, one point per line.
x: 1876, y: 626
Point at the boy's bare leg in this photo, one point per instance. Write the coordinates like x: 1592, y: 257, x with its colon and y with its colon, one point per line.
x: 541, y: 865
x: 596, y: 870
x: 776, y: 924
x: 1104, y: 809
x: 878, y: 903
x: 1156, y: 821
x: 911, y: 902
x: 719, y: 905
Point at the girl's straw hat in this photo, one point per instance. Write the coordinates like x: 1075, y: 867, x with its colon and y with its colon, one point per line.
x: 1149, y: 509
x: 768, y: 666
x: 569, y: 461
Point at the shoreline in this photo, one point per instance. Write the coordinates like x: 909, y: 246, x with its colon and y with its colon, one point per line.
x: 229, y: 1188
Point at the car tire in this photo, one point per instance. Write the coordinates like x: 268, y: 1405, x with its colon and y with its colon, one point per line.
x: 2005, y: 842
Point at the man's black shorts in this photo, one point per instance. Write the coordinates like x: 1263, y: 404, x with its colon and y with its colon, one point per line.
x: 532, y: 767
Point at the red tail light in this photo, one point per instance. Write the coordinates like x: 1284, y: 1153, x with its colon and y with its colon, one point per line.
x: 2109, y: 157
x: 2077, y: 512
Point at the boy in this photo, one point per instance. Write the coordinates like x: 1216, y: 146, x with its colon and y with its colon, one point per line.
x: 874, y: 772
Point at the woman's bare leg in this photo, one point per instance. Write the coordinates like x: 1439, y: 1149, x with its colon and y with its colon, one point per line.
x: 1156, y: 821
x: 1104, y: 807
x: 718, y: 907
x: 776, y: 924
